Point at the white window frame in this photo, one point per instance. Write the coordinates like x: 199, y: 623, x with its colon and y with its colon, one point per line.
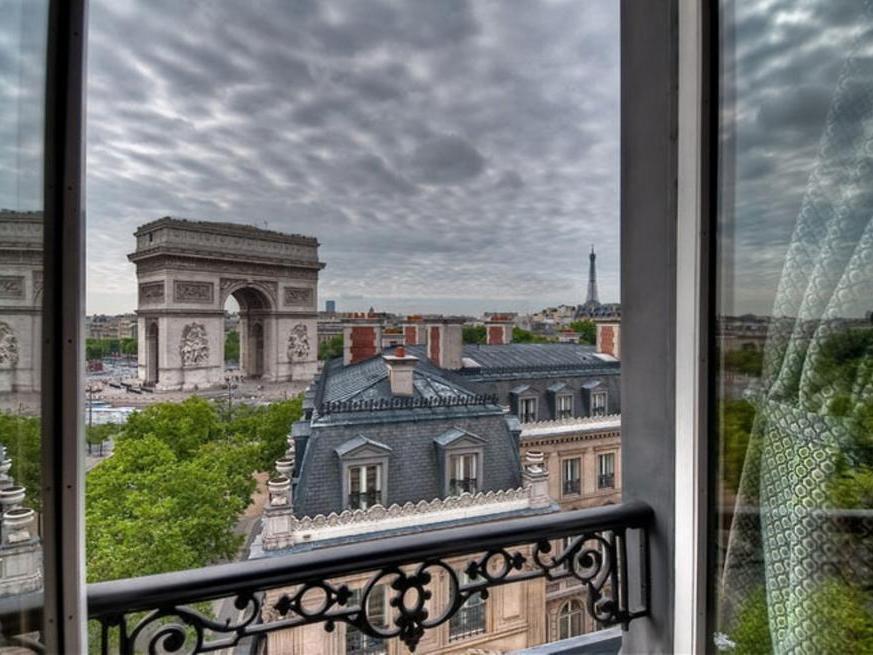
x: 524, y: 415
x: 599, y: 403
x: 363, y: 471
x: 602, y: 470
x: 562, y: 411
x: 566, y: 468
x: 464, y: 463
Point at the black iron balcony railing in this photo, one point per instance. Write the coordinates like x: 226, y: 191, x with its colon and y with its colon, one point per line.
x: 469, y: 621
x: 606, y: 481
x: 364, y: 499
x: 607, y: 553
x: 572, y: 486
x: 457, y: 486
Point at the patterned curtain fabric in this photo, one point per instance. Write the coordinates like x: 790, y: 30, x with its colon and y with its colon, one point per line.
x: 789, y: 544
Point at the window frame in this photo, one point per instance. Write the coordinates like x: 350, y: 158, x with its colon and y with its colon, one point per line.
x: 653, y: 36
x: 564, y: 479
x: 577, y: 612
x: 460, y: 454
x: 598, y: 408
x: 521, y: 412
x: 563, y: 412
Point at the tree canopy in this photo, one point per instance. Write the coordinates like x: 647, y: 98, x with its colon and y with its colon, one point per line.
x: 587, y: 331
x: 331, y: 348
x: 173, y: 490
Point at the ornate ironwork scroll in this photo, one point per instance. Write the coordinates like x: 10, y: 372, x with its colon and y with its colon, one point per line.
x: 596, y: 559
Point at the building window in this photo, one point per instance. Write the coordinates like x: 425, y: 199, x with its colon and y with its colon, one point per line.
x: 598, y: 403
x: 606, y: 471
x: 527, y: 410
x: 358, y: 643
x: 464, y: 474
x: 365, y: 486
x: 470, y: 619
x: 572, y: 476
x: 570, y: 620
x: 565, y: 406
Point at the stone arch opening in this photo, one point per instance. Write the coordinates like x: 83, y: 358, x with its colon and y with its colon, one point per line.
x: 188, y: 270
x: 152, y: 350
x: 255, y: 309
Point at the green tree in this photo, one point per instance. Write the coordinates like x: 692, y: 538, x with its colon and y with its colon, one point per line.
x: 751, y: 632
x: 128, y: 347
x: 21, y: 436
x: 737, y: 417
x: 746, y: 362
x: 526, y: 336
x: 331, y: 348
x: 231, y: 346
x: 474, y: 334
x: 587, y: 331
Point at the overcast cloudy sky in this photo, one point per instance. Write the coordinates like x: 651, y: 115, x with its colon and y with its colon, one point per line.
x: 448, y: 155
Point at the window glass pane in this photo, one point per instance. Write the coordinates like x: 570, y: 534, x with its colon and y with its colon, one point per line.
x: 23, y: 29
x: 793, y: 502
x: 310, y: 289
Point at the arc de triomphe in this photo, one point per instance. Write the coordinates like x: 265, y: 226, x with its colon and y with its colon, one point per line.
x: 187, y: 269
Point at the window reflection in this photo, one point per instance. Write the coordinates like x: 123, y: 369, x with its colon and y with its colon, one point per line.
x: 22, y: 83
x: 795, y: 340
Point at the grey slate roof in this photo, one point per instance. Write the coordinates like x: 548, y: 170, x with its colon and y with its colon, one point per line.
x: 358, y: 441
x: 368, y: 380
x: 532, y: 355
x: 449, y: 437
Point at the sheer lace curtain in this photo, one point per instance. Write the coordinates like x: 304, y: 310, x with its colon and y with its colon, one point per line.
x: 790, y: 544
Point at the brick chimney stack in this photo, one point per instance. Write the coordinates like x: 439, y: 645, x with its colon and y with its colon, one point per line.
x: 609, y: 339
x: 498, y: 330
x: 445, y: 343
x: 401, y: 371
x: 362, y: 338
x: 414, y: 331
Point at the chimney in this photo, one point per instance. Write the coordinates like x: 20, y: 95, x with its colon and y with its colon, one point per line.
x: 414, y: 331
x: 445, y: 343
x: 498, y: 330
x: 534, y: 477
x: 401, y: 372
x: 609, y: 339
x: 362, y: 338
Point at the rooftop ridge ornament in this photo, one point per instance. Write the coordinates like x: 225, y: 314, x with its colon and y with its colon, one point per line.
x: 373, y: 405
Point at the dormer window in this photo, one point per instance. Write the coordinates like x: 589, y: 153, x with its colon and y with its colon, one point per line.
x: 598, y: 403
x: 564, y: 406
x: 460, y: 454
x: 364, y: 467
x: 523, y: 403
x: 365, y: 486
x: 464, y: 474
x: 527, y: 410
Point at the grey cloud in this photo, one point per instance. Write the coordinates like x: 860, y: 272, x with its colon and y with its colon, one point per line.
x: 446, y: 160
x: 434, y: 131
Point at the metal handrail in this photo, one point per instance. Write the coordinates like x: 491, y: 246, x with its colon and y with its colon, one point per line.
x: 167, y: 594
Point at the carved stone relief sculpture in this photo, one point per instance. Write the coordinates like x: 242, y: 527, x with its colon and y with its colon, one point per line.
x: 11, y: 286
x: 298, y: 343
x: 195, y: 345
x: 194, y: 292
x: 8, y: 346
x: 151, y: 292
x: 298, y: 296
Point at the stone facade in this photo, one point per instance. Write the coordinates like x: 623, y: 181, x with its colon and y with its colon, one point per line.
x: 186, y: 271
x: 21, y: 285
x: 583, y: 440
x: 513, y: 619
